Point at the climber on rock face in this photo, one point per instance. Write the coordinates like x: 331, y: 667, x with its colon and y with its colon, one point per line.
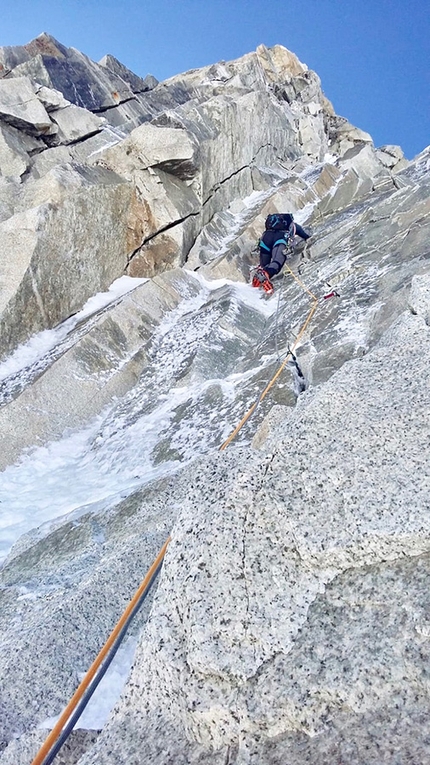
x: 280, y: 231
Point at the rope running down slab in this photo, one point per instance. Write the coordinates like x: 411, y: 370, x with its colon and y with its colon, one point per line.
x: 83, y: 693
x: 46, y: 753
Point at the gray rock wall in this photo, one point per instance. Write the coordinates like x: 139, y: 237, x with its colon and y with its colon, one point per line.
x: 213, y: 134
x: 104, y: 361
x: 56, y: 254
x: 291, y: 618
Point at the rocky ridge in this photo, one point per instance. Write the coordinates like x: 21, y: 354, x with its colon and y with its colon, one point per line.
x: 290, y: 622
x: 161, y: 185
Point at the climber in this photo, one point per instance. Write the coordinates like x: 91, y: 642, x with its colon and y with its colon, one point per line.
x: 280, y: 232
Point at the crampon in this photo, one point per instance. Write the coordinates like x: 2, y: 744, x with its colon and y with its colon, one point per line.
x: 261, y: 279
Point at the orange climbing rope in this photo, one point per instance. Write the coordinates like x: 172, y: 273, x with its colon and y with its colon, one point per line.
x: 262, y: 395
x: 95, y: 666
x: 47, y: 749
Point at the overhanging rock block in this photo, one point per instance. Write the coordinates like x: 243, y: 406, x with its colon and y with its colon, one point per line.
x: 75, y: 123
x: 166, y: 148
x: 20, y: 107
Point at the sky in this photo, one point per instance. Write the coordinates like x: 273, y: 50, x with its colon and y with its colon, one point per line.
x: 372, y: 56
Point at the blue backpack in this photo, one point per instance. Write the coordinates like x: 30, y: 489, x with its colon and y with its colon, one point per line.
x: 279, y: 221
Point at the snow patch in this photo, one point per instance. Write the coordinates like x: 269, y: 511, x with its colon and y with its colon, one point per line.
x: 107, y: 693
x: 43, y: 342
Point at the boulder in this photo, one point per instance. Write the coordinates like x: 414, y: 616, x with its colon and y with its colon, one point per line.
x: 51, y: 99
x: 166, y: 148
x: 15, y: 150
x: 75, y: 123
x: 20, y: 107
x: 392, y: 157
x: 343, y: 136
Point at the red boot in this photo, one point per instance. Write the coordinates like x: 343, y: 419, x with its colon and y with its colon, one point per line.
x: 261, y: 279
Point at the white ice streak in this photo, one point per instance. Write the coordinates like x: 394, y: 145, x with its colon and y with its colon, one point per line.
x: 115, y: 133
x: 115, y: 453
x: 43, y: 342
x: 246, y: 294
x: 58, y: 479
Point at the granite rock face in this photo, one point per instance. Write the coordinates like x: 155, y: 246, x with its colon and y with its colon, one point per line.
x: 289, y: 622
x: 82, y: 81
x: 38, y: 571
x: 291, y: 619
x: 373, y: 288
x: 210, y: 137
x: 52, y: 259
x: 104, y: 360
x: 20, y: 107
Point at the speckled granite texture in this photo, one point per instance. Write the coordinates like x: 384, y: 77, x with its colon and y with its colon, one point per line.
x: 292, y: 619
x: 25, y: 748
x: 291, y: 623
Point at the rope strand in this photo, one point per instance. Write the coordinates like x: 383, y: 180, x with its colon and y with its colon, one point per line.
x: 86, y: 688
x: 262, y: 395
x: 43, y: 755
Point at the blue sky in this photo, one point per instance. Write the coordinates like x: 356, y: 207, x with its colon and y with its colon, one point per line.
x: 372, y: 55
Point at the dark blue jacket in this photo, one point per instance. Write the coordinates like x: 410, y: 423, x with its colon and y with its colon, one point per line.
x: 271, y: 238
x: 272, y: 248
